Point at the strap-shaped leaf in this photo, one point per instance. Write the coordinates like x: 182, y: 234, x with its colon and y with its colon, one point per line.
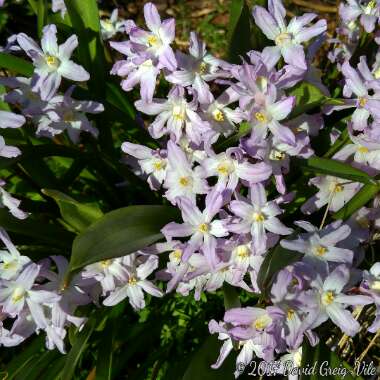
x: 84, y: 17
x: 16, y: 65
x: 334, y: 168
x: 119, y: 233
x: 77, y: 215
x: 37, y: 229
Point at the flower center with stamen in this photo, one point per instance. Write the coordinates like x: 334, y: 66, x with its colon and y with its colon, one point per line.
x: 363, y: 149
x: 276, y: 155
x: 283, y: 38
x: 262, y: 322
x: 224, y: 168
x: 152, y: 40
x: 177, y: 254
x: 202, y: 68
x: 52, y: 62
x: 377, y: 73
x: 260, y: 117
x: 320, y: 250
x: 258, y: 217
x: 9, y: 265
x: 242, y: 251
x: 105, y: 263
x: 290, y: 314
x: 336, y: 187
x: 132, y: 280
x: 68, y: 116
x: 203, y: 227
x: 370, y: 6
x: 184, y: 181
x: 18, y: 294
x: 178, y: 113
x: 297, y: 358
x: 328, y: 298
x: 158, y: 165
x: 218, y: 115
x: 362, y: 102
x: 148, y: 63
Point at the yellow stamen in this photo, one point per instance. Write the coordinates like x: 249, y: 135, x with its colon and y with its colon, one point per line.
x: 320, y: 250
x: 218, y: 115
x: 158, y: 165
x: 9, y: 265
x: 290, y: 314
x: 283, y: 38
x: 242, y: 251
x: 18, y: 294
x: 260, y: 117
x: 177, y: 254
x: 204, y: 227
x: 202, y: 68
x: 152, y: 40
x: 362, y: 102
x: 328, y: 298
x: 363, y: 149
x: 178, y: 113
x: 132, y: 281
x: 262, y: 322
x: 105, y: 263
x: 258, y: 217
x: 52, y: 61
x: 184, y: 181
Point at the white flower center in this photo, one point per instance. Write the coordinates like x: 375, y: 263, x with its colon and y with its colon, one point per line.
x: 283, y: 39
x: 262, y: 322
x: 52, y: 61
x: 328, y: 298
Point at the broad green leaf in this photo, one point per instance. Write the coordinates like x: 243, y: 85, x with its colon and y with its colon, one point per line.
x: 77, y: 349
x: 334, y: 168
x: 119, y: 233
x: 200, y: 364
x: 84, y: 16
x: 319, y: 360
x: 276, y: 259
x: 36, y: 229
x: 16, y: 65
x: 307, y: 96
x: 360, y: 199
x: 77, y: 215
x: 239, y: 25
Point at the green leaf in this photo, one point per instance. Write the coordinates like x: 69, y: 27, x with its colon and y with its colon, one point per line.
x: 200, y: 364
x: 244, y: 129
x: 16, y: 65
x: 37, y: 229
x: 334, y: 168
x: 42, y: 13
x: 321, y: 358
x: 105, y: 352
x: 360, y: 199
x: 116, y: 97
x: 239, y: 25
x: 84, y: 16
x: 119, y: 233
x: 307, y: 96
x: 277, y: 259
x: 231, y: 296
x: 77, y: 215
x: 77, y: 349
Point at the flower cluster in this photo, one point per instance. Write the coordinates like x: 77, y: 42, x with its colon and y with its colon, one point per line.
x: 226, y: 136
